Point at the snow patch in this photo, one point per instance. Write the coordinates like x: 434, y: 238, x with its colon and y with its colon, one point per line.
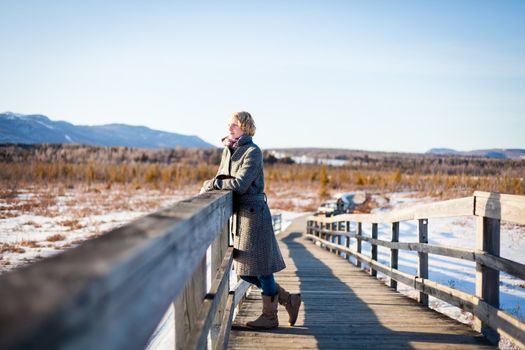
x: 12, y: 116
x: 44, y: 124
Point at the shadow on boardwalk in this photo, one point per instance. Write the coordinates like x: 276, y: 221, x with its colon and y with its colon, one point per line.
x: 344, y: 308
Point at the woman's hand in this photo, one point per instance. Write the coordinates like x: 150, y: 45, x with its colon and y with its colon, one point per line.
x: 206, y: 186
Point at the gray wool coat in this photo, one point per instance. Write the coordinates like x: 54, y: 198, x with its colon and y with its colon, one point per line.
x: 256, y: 251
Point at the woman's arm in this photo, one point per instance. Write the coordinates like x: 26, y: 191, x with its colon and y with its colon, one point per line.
x: 208, y: 184
x: 250, y: 169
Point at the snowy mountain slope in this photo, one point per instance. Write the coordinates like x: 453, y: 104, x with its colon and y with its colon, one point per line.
x: 30, y: 129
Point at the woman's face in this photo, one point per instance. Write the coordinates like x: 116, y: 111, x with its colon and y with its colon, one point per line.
x: 234, y: 128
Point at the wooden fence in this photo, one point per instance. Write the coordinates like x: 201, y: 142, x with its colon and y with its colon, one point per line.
x: 112, y: 291
x: 488, y: 209
x: 277, y: 222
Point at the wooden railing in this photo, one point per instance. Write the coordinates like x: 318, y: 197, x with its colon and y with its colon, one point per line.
x: 112, y: 291
x: 488, y: 209
x: 277, y: 222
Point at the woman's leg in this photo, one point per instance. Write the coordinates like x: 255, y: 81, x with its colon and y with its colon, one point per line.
x: 292, y: 303
x: 268, y: 319
x: 252, y: 280
x: 268, y: 285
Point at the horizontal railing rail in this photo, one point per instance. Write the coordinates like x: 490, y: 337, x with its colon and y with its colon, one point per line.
x: 488, y: 208
x: 112, y: 291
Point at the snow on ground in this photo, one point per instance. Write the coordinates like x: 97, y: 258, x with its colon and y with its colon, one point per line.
x: 286, y: 217
x: 38, y: 223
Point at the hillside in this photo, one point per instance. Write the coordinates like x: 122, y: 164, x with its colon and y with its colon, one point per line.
x: 39, y: 129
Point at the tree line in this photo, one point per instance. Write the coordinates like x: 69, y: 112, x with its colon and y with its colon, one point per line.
x: 21, y: 165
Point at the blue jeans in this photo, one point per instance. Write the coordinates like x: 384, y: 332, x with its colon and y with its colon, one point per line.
x: 266, y: 283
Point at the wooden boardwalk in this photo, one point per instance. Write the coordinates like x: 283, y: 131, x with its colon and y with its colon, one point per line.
x: 345, y: 308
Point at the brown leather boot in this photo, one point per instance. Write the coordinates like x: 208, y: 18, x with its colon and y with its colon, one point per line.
x: 292, y: 303
x: 268, y: 319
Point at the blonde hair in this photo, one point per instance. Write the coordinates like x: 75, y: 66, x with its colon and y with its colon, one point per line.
x: 247, y: 124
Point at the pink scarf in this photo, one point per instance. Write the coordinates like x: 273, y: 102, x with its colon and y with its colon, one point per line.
x: 227, y: 142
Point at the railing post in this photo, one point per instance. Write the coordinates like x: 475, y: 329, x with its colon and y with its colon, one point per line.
x: 487, y: 279
x: 326, y: 226
x: 188, y: 303
x: 359, y: 233
x: 334, y: 236
x: 218, y: 251
x: 347, y: 243
x: 422, y: 266
x: 324, y: 235
x: 374, y: 249
x: 307, y: 227
x: 331, y: 236
x: 321, y: 234
x: 339, y: 237
x: 394, y: 253
x: 317, y: 233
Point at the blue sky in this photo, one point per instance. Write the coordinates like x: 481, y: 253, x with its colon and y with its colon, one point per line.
x: 375, y: 75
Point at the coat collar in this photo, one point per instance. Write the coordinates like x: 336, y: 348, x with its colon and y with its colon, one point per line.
x: 244, y: 140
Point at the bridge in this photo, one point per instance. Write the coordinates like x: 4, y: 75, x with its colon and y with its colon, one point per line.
x: 170, y: 273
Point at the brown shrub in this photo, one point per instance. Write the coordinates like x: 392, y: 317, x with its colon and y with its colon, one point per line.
x: 56, y: 237
x: 32, y: 223
x: 72, y: 224
x: 10, y: 248
x: 8, y: 214
x: 30, y: 244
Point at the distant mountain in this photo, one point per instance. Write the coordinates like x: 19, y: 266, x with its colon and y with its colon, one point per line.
x: 443, y: 151
x: 489, y: 153
x: 31, y: 129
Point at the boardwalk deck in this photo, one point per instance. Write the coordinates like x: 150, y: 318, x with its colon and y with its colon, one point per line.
x: 345, y: 308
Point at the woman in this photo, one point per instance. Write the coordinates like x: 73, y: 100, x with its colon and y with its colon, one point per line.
x: 256, y: 253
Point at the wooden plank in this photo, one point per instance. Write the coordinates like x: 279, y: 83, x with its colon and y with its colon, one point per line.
x: 199, y: 334
x: 218, y: 320
x: 501, y: 196
x: 505, y: 324
x: 188, y: 304
x: 501, y: 264
x: 454, y: 252
x: 347, y: 240
x: 487, y: 279
x: 422, y: 261
x: 502, y: 207
x: 340, y: 227
x: 453, y: 207
x: 224, y: 333
x: 345, y: 308
x: 359, y: 234
x: 110, y: 292
x: 240, y: 290
x: 374, y: 248
x: 494, y: 205
x: 444, y: 209
x: 396, y: 274
x: 394, y: 253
